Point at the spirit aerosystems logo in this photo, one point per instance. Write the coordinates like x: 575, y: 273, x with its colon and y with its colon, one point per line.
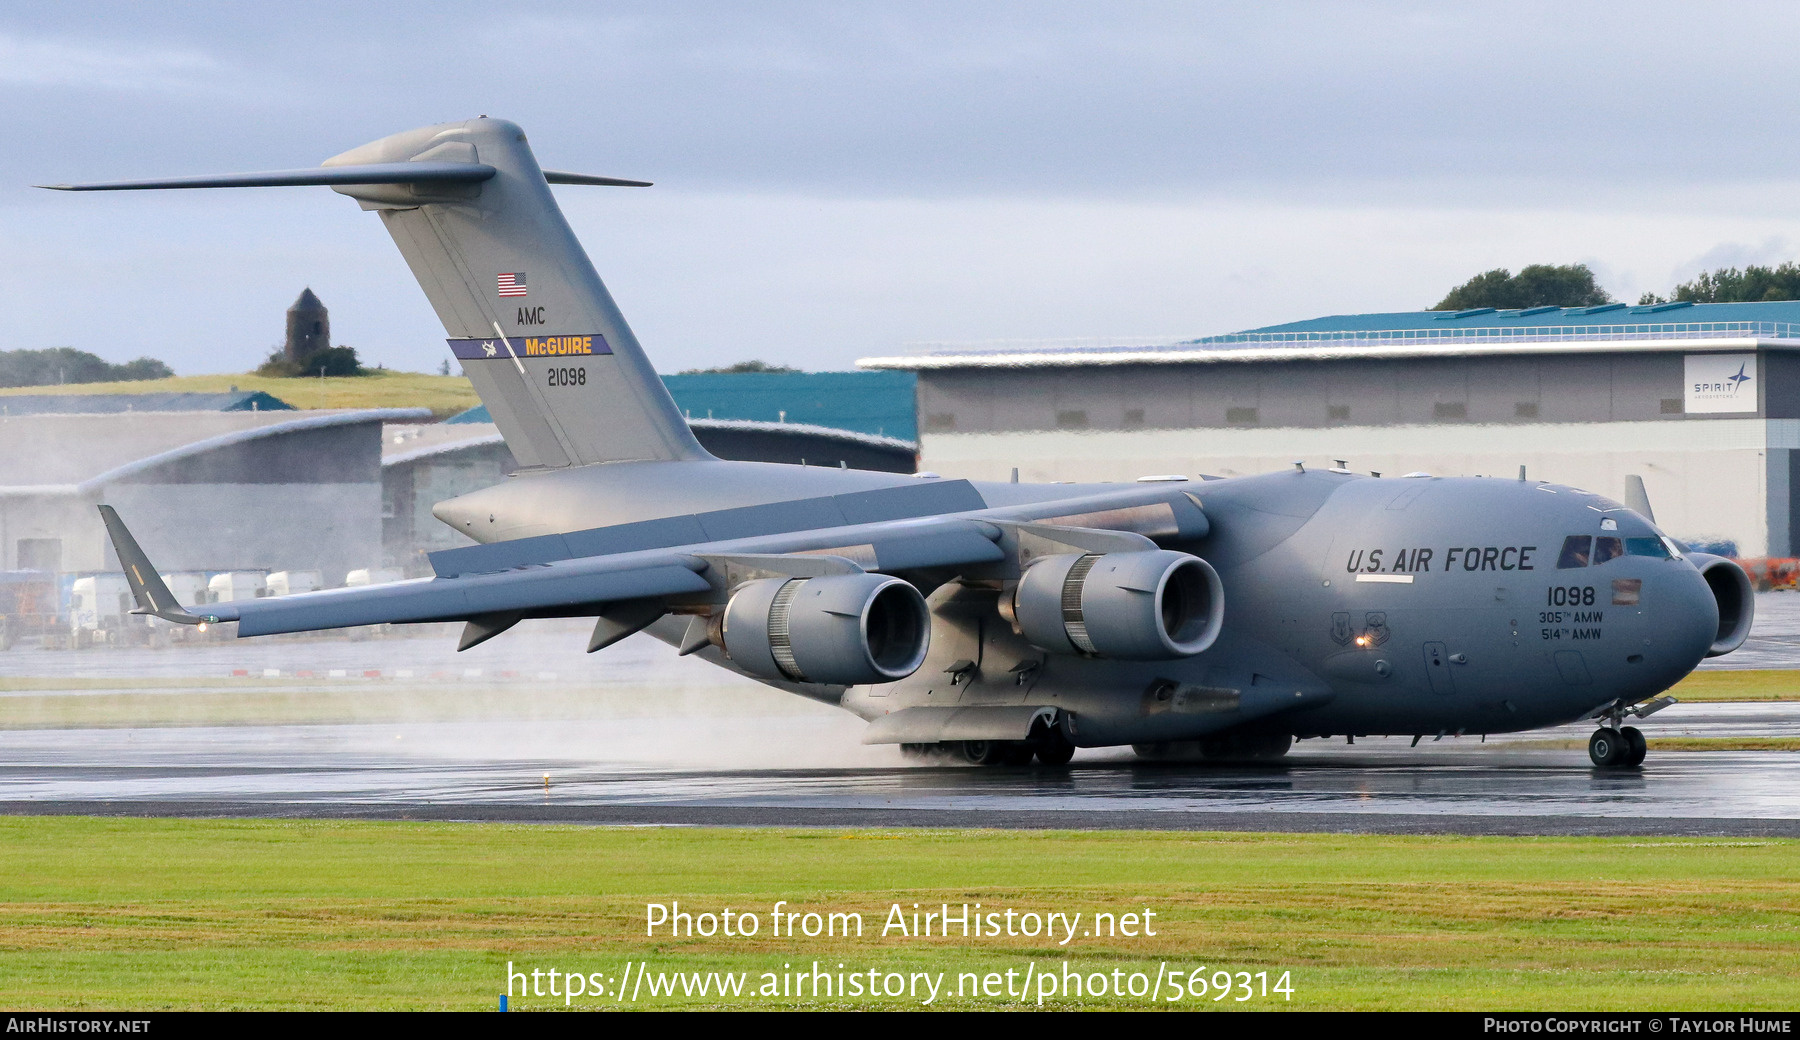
x: 1720, y: 383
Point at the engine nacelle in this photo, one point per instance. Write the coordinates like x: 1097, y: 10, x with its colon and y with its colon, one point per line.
x: 1736, y: 599
x: 839, y: 630
x: 1140, y: 606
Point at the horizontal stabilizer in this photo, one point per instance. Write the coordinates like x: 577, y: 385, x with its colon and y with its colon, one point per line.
x: 560, y: 177
x: 366, y: 173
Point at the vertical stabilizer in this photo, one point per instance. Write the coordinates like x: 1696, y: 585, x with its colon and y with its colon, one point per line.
x: 528, y: 317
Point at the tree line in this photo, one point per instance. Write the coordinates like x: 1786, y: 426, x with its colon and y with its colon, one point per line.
x: 60, y: 365
x: 1573, y: 285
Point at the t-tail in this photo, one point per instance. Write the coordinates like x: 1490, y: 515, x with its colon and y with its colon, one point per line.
x: 527, y: 315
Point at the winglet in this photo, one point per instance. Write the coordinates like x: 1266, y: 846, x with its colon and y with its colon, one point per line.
x: 153, y: 597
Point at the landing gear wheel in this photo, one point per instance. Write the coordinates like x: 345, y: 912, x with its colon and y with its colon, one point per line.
x: 1054, y: 749
x: 1608, y: 748
x: 1636, y: 747
x: 982, y: 752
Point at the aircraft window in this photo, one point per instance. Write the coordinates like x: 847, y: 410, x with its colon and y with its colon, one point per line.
x: 1652, y: 547
x: 1576, y: 550
x: 1607, y: 549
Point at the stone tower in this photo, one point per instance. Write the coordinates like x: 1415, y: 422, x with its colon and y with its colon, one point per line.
x: 308, y: 328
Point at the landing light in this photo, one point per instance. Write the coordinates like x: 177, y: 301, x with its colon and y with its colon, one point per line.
x: 1362, y: 640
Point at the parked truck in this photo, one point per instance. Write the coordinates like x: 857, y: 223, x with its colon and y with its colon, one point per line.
x: 283, y: 583
x: 100, y: 608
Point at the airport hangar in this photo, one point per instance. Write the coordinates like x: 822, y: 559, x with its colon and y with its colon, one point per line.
x: 1700, y: 400
x: 423, y: 465
x: 242, y: 481
x: 216, y: 482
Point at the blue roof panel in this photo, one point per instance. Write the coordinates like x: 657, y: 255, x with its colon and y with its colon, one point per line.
x: 1786, y: 311
x: 107, y: 404
x: 879, y: 403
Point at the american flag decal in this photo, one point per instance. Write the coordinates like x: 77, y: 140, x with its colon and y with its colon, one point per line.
x: 512, y: 284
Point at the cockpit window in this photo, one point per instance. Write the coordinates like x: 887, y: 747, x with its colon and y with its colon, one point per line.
x: 1576, y: 551
x: 1607, y: 549
x: 1652, y: 547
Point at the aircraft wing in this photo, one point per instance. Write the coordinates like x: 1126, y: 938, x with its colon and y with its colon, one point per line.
x: 695, y: 572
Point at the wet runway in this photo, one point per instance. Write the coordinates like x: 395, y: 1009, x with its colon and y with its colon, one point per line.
x: 642, y: 737
x: 633, y: 775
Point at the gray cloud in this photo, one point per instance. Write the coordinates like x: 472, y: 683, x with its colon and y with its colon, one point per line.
x: 941, y: 98
x: 836, y: 179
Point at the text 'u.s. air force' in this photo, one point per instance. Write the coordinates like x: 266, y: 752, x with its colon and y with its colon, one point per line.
x: 1420, y: 560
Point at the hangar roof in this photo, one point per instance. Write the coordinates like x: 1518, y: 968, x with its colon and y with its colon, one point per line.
x: 411, y: 443
x: 876, y: 403
x: 103, y: 404
x: 1479, y: 331
x: 65, y: 454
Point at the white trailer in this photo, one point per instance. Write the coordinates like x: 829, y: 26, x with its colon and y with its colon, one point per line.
x: 286, y: 583
x: 373, y: 576
x: 188, y: 588
x: 231, y: 586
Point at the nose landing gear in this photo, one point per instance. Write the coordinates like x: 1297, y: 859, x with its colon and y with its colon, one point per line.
x: 1624, y: 746
x: 1615, y: 744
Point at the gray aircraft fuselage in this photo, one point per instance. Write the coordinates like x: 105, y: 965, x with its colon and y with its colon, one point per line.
x: 1353, y: 605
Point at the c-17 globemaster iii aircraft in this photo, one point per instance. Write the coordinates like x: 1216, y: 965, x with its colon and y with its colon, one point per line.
x: 998, y: 621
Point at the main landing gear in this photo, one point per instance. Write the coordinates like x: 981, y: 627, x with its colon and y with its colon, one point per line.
x: 1047, y: 744
x: 1615, y: 744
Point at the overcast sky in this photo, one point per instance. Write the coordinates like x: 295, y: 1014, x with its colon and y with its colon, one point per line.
x: 842, y: 180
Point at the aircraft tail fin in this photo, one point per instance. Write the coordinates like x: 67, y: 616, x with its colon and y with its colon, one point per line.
x: 534, y: 327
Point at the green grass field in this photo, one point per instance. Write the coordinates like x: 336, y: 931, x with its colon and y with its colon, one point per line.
x: 382, y: 388
x: 148, y: 914
x: 1759, y: 684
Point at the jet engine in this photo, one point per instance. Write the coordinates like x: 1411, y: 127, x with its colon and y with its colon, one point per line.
x: 1732, y: 592
x: 1142, y: 606
x: 840, y: 630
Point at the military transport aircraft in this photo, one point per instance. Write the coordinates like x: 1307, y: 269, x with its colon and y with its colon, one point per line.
x: 997, y: 621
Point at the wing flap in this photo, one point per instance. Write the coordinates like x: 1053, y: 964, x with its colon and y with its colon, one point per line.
x: 861, y: 508
x: 453, y: 599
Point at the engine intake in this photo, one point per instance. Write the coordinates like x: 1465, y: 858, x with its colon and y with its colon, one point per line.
x: 840, y: 630
x: 1736, y: 599
x: 1140, y: 606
